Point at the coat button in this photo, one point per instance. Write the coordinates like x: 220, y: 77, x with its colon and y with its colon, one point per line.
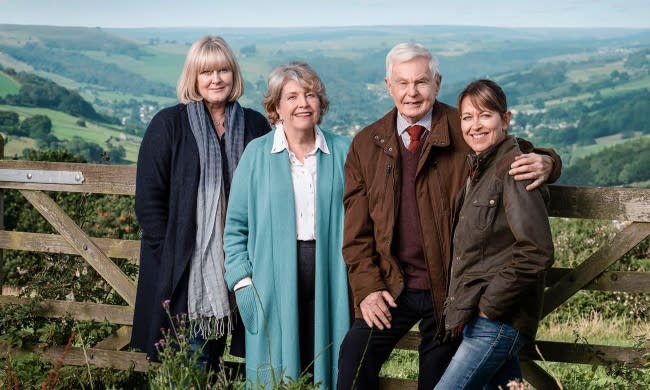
x: 381, y: 140
x: 390, y: 149
x: 376, y: 137
x: 491, y: 201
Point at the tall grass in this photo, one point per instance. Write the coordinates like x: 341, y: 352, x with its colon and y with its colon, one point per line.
x: 595, y: 328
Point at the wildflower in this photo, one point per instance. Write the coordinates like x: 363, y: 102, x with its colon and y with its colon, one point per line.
x: 166, y: 303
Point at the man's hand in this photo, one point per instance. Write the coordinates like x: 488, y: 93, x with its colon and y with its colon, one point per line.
x: 532, y: 166
x: 375, y: 309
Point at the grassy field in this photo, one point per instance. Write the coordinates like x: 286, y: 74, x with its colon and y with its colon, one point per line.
x: 160, y: 66
x: 583, y: 151
x: 8, y: 86
x: 64, y: 127
x: 14, y: 146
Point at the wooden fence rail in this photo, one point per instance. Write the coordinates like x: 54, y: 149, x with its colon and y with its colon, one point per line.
x: 32, y: 179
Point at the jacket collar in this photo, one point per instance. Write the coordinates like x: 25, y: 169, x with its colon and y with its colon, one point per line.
x: 478, y: 162
x: 384, y: 132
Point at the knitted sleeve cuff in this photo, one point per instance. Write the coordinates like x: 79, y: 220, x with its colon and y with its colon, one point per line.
x: 246, y: 298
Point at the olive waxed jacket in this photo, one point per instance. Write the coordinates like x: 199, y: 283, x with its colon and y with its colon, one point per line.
x: 502, y: 245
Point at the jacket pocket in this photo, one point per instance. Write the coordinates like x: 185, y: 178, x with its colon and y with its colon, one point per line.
x: 246, y: 299
x: 473, y: 286
x: 485, y: 211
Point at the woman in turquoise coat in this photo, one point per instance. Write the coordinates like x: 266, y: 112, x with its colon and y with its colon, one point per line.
x: 283, y: 237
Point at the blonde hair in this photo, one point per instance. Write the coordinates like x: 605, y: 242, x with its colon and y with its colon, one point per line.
x: 301, y: 73
x: 208, y: 53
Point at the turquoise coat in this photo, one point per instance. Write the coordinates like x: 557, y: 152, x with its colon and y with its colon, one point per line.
x: 260, y: 242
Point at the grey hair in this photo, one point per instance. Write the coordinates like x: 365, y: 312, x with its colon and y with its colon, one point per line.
x: 403, y: 52
x: 301, y: 73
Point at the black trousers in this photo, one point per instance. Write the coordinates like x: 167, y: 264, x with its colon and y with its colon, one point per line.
x: 306, y: 300
x: 364, y: 350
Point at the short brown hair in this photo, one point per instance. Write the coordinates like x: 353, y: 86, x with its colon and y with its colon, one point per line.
x: 301, y: 73
x: 208, y: 53
x: 485, y: 94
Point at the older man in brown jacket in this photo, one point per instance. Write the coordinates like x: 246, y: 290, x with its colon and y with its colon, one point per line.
x: 402, y: 176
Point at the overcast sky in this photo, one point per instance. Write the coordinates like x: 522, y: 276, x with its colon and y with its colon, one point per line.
x: 300, y: 13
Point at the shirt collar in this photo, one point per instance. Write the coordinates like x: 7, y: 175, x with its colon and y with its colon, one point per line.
x: 425, y: 121
x: 280, y: 140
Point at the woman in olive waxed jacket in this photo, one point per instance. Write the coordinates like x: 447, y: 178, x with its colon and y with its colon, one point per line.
x: 502, y: 246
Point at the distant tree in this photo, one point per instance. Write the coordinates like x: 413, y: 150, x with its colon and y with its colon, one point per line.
x: 116, y: 154
x: 89, y: 150
x: 637, y: 59
x: 624, y: 77
x: 574, y: 89
x: 9, y: 122
x: 37, y: 126
x: 57, y: 155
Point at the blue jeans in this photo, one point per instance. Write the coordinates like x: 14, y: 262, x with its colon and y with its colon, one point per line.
x: 488, y: 357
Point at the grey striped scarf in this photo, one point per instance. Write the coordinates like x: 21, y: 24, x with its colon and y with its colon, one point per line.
x: 208, y: 304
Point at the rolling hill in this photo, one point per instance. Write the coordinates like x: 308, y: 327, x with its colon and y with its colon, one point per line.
x: 555, y: 78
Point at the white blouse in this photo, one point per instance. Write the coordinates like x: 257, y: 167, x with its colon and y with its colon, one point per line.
x: 303, y: 176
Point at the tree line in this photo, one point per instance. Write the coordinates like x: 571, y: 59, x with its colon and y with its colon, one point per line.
x: 39, y: 128
x: 618, y: 165
x: 36, y: 91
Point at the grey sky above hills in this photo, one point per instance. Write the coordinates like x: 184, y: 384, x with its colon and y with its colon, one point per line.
x: 300, y: 13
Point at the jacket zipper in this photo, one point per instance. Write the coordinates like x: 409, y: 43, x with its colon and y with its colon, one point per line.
x: 439, y: 310
x: 390, y: 170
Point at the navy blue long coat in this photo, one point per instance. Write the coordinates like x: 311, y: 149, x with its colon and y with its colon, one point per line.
x: 165, y: 203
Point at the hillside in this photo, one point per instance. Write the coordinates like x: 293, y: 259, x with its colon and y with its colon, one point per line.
x: 66, y: 127
x: 570, y: 88
x: 612, y: 166
x: 8, y: 85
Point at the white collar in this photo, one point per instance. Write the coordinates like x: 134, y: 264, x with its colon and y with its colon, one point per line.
x: 425, y: 121
x: 280, y: 140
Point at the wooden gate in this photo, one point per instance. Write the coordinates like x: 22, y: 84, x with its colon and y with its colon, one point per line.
x: 33, y: 178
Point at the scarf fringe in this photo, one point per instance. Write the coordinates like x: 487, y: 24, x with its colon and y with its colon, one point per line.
x: 209, y: 328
